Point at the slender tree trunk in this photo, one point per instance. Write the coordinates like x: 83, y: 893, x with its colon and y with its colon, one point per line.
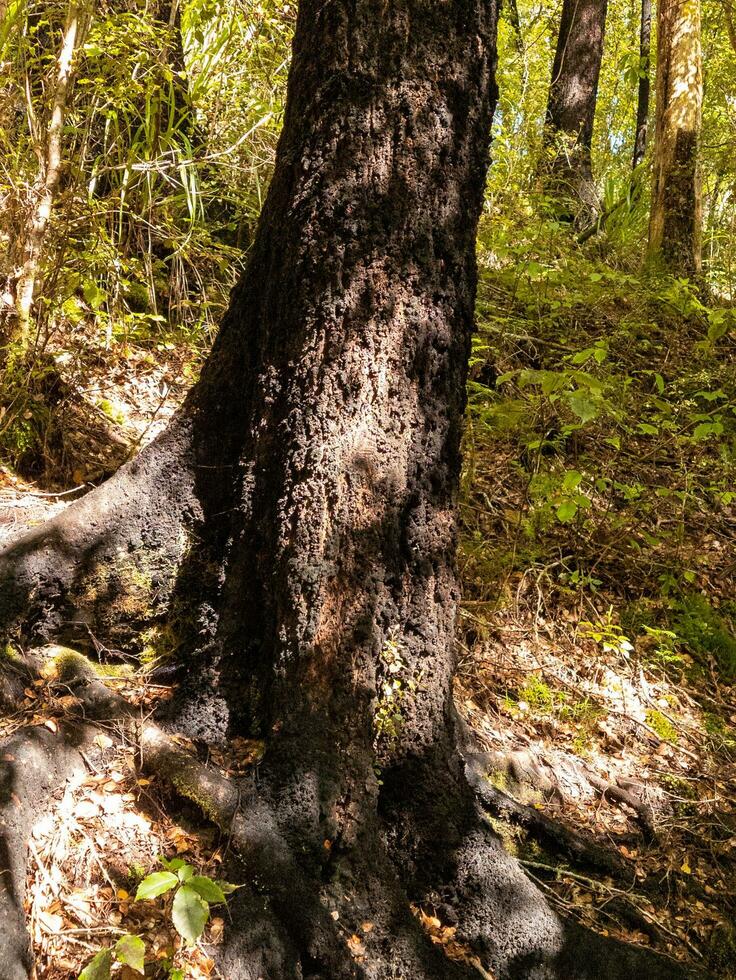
x: 571, y: 105
x: 676, y: 218
x: 301, y: 511
x: 512, y: 15
x: 51, y: 158
x: 730, y: 27
x: 642, y: 104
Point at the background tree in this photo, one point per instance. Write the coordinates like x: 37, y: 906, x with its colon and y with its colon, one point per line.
x: 572, y: 101
x: 676, y: 214
x: 642, y: 101
x: 50, y: 156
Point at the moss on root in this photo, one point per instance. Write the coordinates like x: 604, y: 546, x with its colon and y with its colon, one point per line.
x: 66, y: 664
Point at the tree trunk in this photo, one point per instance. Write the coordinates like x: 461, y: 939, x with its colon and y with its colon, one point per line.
x: 50, y: 159
x: 675, y: 221
x: 571, y: 107
x: 299, y: 517
x: 642, y: 104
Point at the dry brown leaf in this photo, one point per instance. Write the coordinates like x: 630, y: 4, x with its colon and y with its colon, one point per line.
x: 355, y: 945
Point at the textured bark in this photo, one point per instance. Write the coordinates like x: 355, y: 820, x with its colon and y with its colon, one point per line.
x: 675, y: 221
x: 642, y: 103
x: 571, y: 105
x: 302, y: 510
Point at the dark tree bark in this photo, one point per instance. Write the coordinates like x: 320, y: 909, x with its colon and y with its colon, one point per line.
x: 297, y: 525
x: 676, y: 215
x: 642, y: 103
x: 571, y: 107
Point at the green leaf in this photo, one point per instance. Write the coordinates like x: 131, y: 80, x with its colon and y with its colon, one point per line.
x: 209, y: 890
x: 99, y: 967
x: 189, y: 913
x: 156, y: 884
x: 583, y: 405
x: 227, y: 888
x: 175, y: 864
x: 572, y: 480
x: 706, y: 429
x: 567, y: 511
x: 131, y: 951
x: 185, y: 873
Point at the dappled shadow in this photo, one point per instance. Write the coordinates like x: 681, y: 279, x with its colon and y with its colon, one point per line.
x: 34, y: 763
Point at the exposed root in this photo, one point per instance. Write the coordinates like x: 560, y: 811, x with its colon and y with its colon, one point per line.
x: 347, y: 927
x: 106, y: 566
x: 619, y: 794
x: 502, y: 918
x: 578, y: 846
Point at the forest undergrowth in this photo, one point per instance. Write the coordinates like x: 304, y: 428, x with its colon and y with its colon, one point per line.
x: 598, y: 624
x: 597, y: 632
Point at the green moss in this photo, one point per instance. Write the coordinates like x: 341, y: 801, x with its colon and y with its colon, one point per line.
x: 682, y: 787
x: 136, y: 873
x: 721, y: 955
x: 498, y: 778
x: 160, y: 642
x: 188, y: 787
x: 114, y: 414
x: 721, y: 735
x: 510, y: 836
x: 68, y: 665
x: 661, y: 725
x: 10, y: 655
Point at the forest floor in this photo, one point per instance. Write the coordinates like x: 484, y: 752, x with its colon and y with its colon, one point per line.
x: 597, y: 633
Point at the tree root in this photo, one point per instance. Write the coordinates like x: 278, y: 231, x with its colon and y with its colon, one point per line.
x: 621, y: 795
x: 357, y: 925
x: 578, y: 846
x: 503, y: 921
x: 106, y: 565
x: 344, y: 912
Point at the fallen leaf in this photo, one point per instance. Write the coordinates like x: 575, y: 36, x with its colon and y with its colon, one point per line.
x: 86, y: 809
x: 53, y: 923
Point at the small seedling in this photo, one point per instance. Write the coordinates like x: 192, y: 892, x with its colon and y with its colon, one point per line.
x: 190, y: 910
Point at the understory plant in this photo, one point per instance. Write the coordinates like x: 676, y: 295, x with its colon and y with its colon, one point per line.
x: 193, y: 895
